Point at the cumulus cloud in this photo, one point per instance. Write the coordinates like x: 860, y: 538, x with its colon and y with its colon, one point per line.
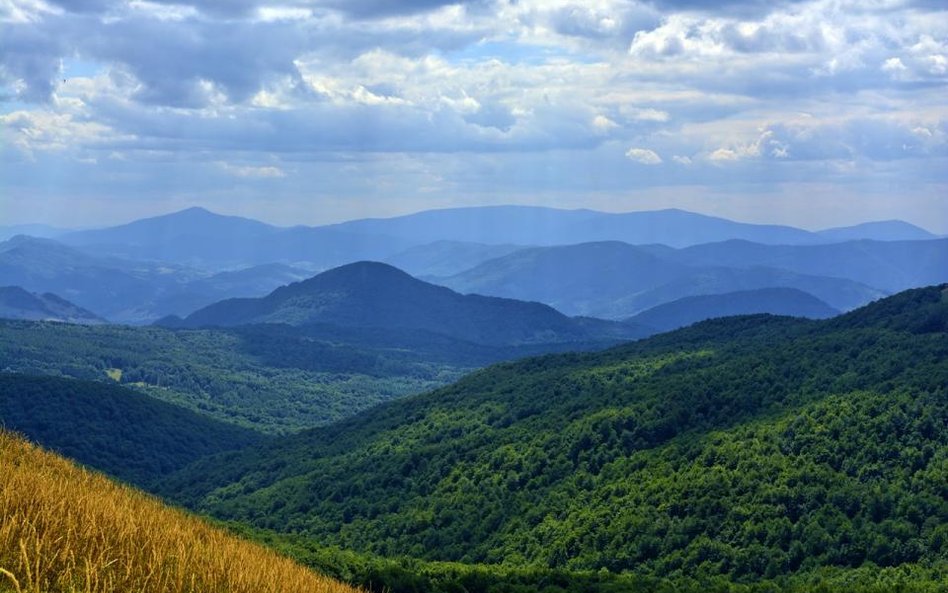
x: 253, y: 172
x: 500, y: 93
x: 644, y: 156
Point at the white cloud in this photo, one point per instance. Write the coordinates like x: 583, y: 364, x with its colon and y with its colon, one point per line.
x: 253, y: 172
x: 644, y: 156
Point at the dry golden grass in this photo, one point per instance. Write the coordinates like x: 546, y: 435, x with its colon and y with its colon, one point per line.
x: 66, y: 529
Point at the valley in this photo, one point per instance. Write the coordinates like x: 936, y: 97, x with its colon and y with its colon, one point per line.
x: 506, y: 413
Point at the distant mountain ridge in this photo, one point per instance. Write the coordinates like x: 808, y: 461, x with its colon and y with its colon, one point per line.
x: 16, y: 303
x: 373, y: 294
x: 124, y: 290
x: 775, y: 301
x: 615, y: 280
x: 196, y: 236
x: 534, y: 225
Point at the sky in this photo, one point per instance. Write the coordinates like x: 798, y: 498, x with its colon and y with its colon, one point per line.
x: 810, y: 113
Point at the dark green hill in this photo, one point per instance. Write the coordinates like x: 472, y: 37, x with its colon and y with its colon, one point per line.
x: 119, y: 431
x: 744, y: 448
x: 776, y: 301
x: 369, y: 294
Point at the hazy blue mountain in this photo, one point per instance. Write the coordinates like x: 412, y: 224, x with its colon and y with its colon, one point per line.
x: 884, y: 230
x: 839, y: 293
x: 371, y: 294
x: 776, y: 301
x: 886, y: 265
x: 548, y: 226
x: 118, y: 290
x: 129, y: 291
x: 615, y: 280
x: 16, y: 303
x: 33, y: 230
x: 446, y: 258
x: 197, y: 237
x: 582, y: 279
x: 248, y: 282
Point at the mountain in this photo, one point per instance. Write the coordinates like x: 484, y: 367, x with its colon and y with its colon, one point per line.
x: 117, y: 289
x: 129, y: 291
x: 196, y: 237
x: 775, y: 301
x: 247, y: 282
x: 886, y: 230
x: 760, y: 452
x: 16, y: 303
x: 371, y: 294
x: 200, y: 238
x: 129, y: 435
x: 446, y: 258
x: 33, y: 230
x: 67, y: 529
x: 615, y: 280
x: 533, y: 225
x: 886, y: 265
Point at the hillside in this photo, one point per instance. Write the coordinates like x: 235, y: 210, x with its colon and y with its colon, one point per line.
x: 16, y: 303
x: 615, y: 280
x: 775, y: 301
x: 268, y: 379
x: 119, y: 431
x: 742, y: 449
x: 65, y: 529
x: 369, y: 294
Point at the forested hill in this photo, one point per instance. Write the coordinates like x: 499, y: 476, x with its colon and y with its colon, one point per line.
x: 747, y: 448
x: 125, y: 433
x: 371, y: 294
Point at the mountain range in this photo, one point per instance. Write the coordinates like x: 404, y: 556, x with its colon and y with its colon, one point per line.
x: 372, y: 294
x: 615, y: 280
x: 175, y: 264
x: 197, y: 237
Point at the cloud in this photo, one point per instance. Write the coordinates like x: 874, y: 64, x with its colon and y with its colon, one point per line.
x: 643, y: 156
x: 253, y: 172
x: 493, y: 98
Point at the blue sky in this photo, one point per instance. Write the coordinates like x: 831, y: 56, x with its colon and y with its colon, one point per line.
x: 811, y: 113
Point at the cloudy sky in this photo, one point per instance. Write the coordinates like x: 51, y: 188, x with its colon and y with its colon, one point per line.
x: 812, y: 113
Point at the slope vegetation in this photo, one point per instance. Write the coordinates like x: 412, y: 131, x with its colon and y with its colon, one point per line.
x: 64, y: 529
x: 129, y: 435
x: 268, y: 379
x: 741, y: 449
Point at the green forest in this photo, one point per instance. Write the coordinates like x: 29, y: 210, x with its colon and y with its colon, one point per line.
x: 744, y: 451
x: 270, y: 379
x: 753, y: 454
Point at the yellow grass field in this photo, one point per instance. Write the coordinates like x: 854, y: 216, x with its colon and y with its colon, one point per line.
x: 66, y: 529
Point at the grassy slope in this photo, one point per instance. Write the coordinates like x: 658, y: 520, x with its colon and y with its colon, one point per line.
x: 747, y: 448
x: 65, y: 529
